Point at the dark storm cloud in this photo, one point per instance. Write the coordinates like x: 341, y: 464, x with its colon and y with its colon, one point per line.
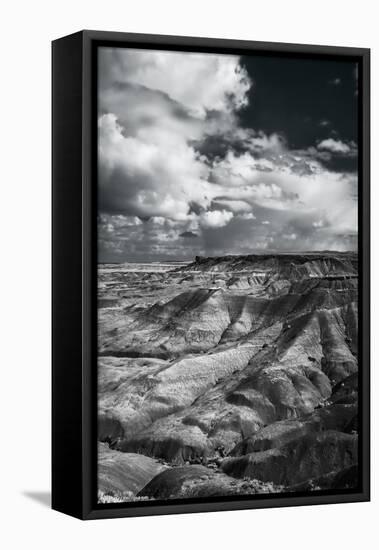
x: 260, y: 155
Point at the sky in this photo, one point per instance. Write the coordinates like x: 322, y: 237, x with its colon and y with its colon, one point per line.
x: 209, y: 154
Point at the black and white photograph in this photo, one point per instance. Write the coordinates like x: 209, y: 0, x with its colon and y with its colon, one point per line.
x: 187, y: 256
x: 227, y: 288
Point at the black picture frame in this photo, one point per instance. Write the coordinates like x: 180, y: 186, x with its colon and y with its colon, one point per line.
x: 74, y: 310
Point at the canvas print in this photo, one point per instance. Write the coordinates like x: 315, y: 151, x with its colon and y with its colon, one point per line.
x: 227, y: 287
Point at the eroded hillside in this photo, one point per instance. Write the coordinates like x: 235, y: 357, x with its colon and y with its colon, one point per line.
x: 233, y: 375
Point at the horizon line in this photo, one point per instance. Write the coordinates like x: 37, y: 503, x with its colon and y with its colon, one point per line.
x: 266, y: 253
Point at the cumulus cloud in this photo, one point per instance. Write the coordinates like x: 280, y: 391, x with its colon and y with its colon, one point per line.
x: 139, y: 177
x: 149, y: 114
x: 200, y: 82
x: 215, y: 218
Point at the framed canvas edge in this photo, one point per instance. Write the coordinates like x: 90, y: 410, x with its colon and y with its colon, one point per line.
x: 67, y: 318
x: 156, y: 40
x: 88, y: 406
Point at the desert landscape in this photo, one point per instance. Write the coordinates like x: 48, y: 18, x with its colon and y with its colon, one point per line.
x: 227, y: 233
x: 227, y: 375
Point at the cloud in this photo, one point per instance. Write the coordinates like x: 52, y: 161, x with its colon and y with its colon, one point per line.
x: 152, y: 239
x: 247, y: 216
x: 232, y: 204
x: 268, y: 143
x: 199, y: 82
x: 336, y: 146
x: 179, y: 175
x: 149, y: 116
x: 189, y: 235
x: 215, y: 218
x: 318, y: 223
x: 139, y: 177
x: 335, y: 81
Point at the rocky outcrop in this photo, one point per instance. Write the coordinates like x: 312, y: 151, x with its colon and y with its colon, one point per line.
x: 318, y: 264
x: 346, y: 391
x: 200, y: 482
x: 337, y: 480
x: 306, y: 457
x: 275, y: 435
x: 230, y: 411
x: 124, y: 472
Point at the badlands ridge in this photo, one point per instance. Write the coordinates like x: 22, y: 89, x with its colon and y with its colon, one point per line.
x: 228, y: 376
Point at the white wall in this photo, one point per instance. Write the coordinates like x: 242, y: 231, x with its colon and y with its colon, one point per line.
x: 26, y: 31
